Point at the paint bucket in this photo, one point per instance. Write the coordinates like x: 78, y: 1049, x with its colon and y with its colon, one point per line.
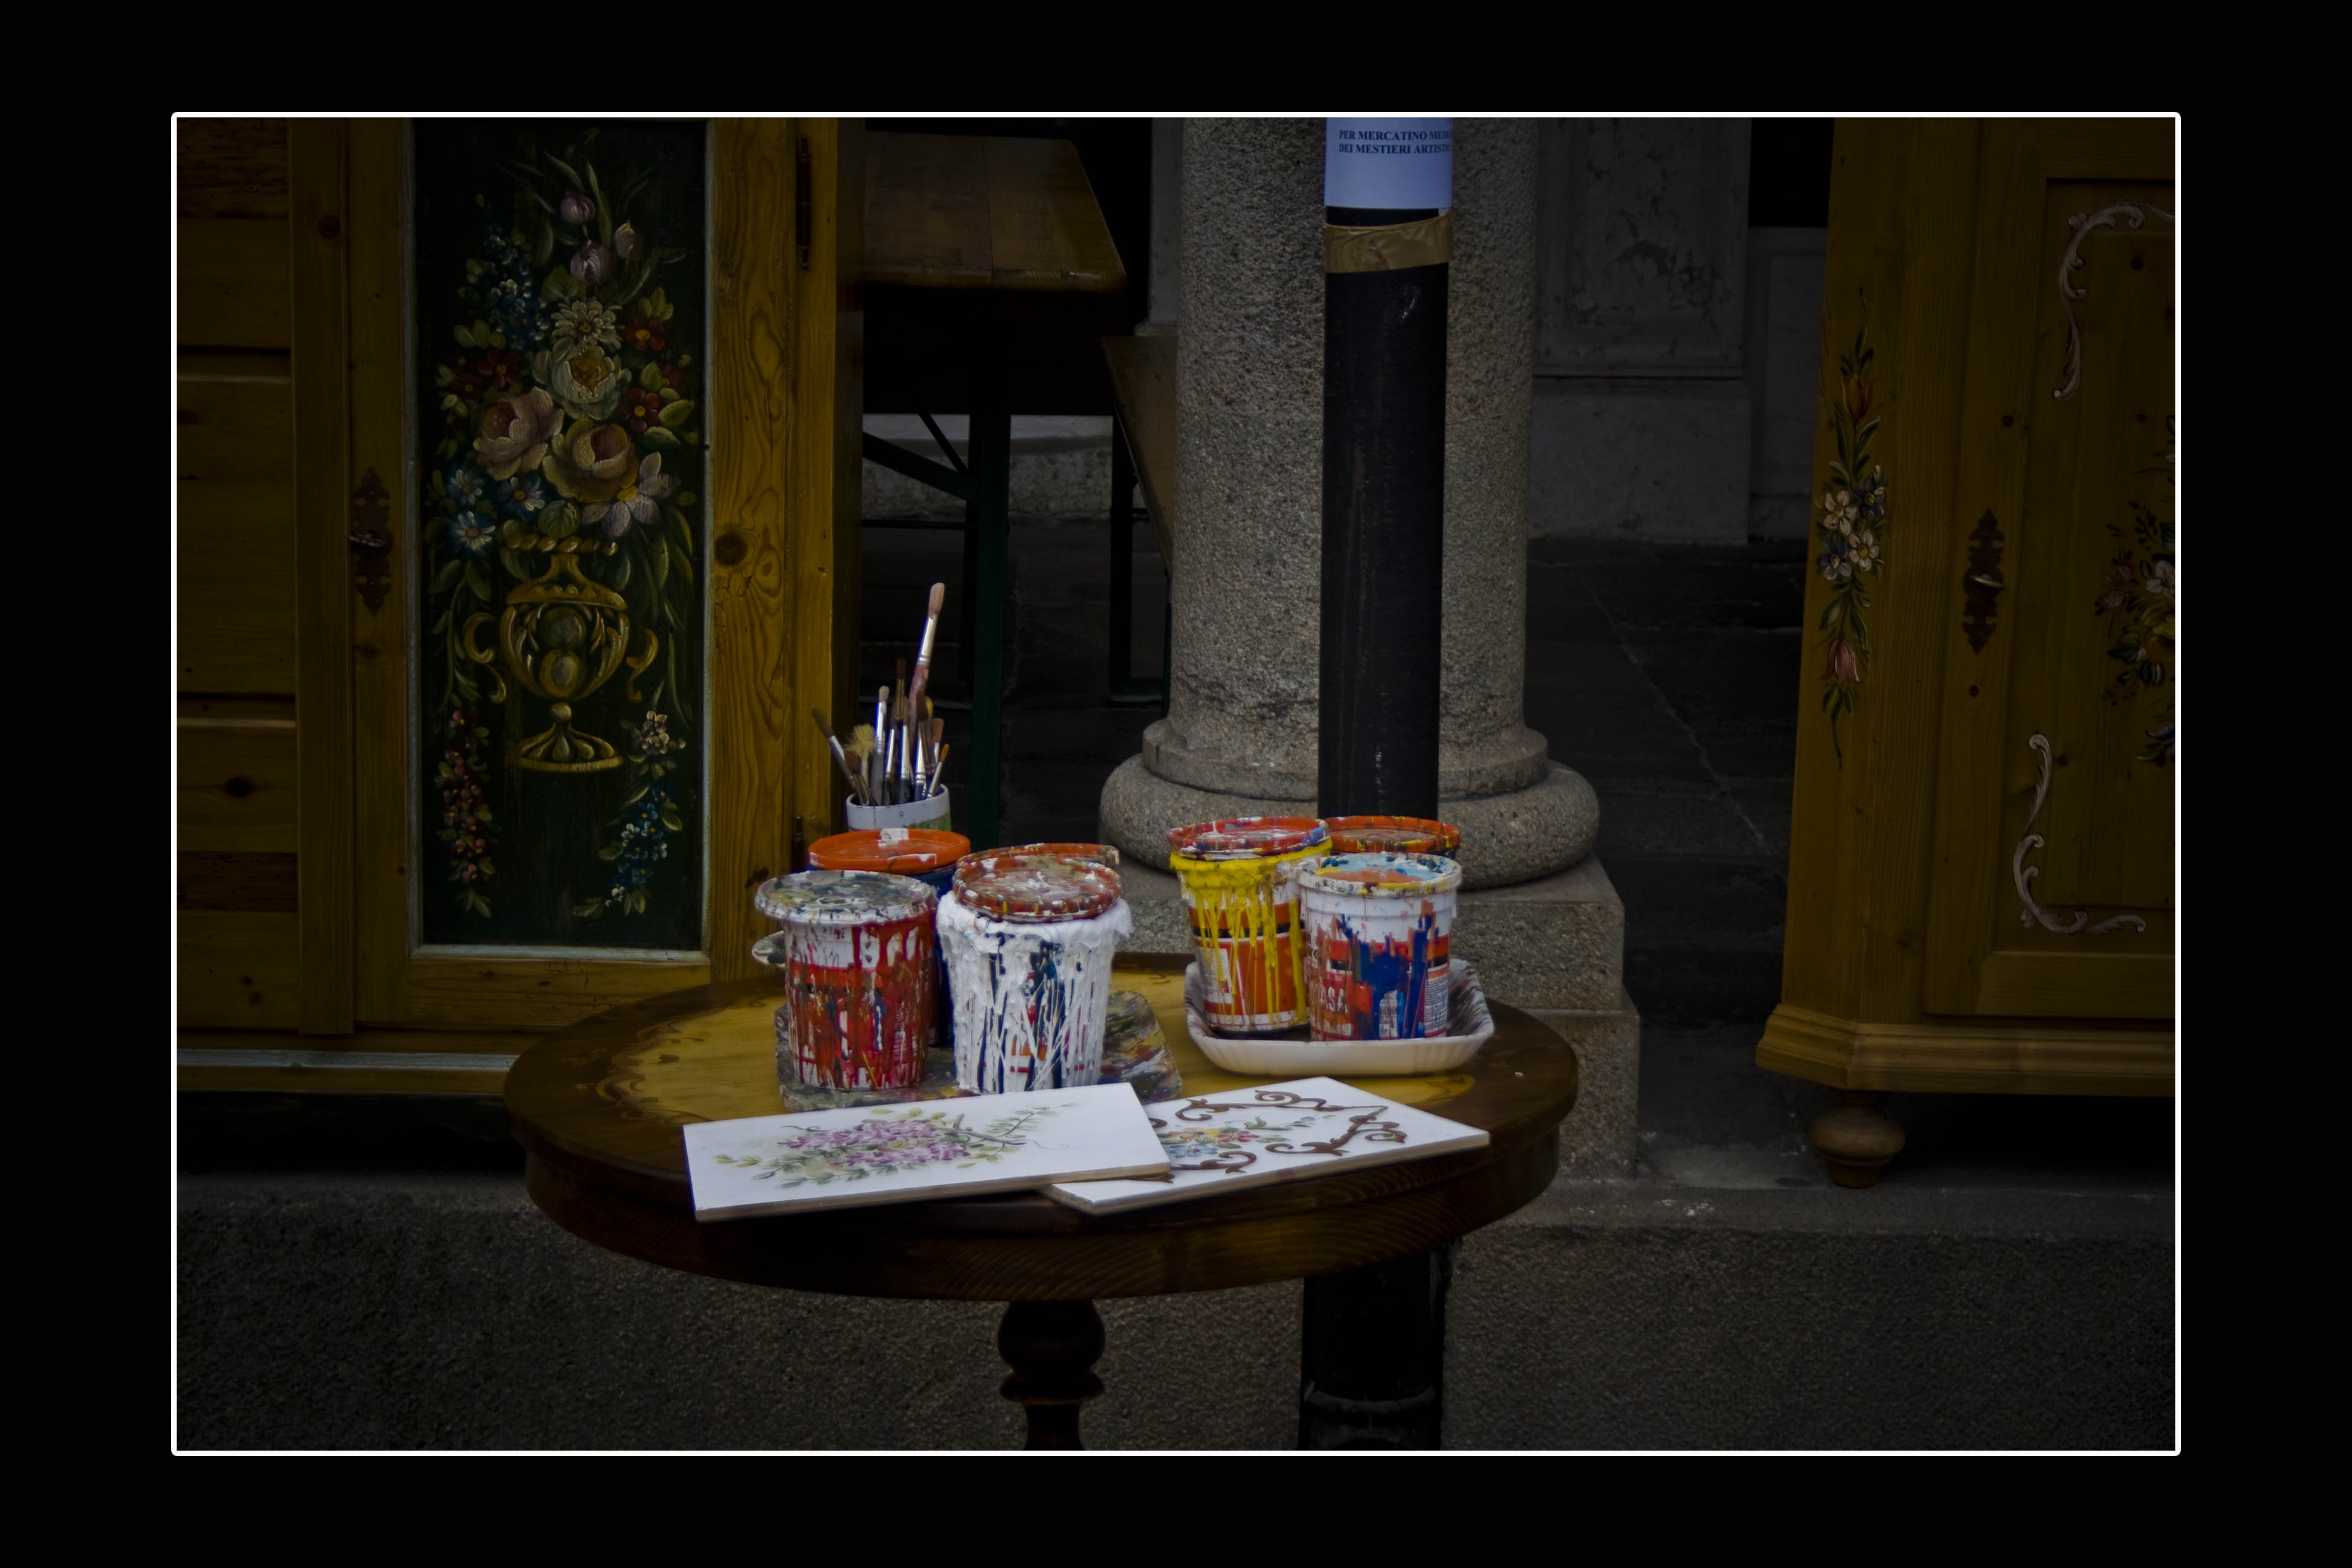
x: 1029, y: 941
x: 1379, y: 934
x: 927, y: 854
x: 859, y: 959
x: 1397, y: 835
x: 931, y: 811
x: 1242, y: 911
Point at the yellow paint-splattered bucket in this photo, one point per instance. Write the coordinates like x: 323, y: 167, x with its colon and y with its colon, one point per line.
x: 1243, y: 911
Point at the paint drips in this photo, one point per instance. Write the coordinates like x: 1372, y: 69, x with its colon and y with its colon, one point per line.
x: 1243, y: 916
x: 857, y: 1001
x: 859, y: 958
x: 1031, y: 997
x: 1379, y: 931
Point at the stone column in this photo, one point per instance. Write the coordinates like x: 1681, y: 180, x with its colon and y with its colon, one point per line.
x: 1240, y: 736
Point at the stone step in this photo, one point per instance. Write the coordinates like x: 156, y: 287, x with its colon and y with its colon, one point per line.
x: 438, y: 1311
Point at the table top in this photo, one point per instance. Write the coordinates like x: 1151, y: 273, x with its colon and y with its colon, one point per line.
x: 1143, y: 389
x: 598, y: 1107
x: 985, y: 212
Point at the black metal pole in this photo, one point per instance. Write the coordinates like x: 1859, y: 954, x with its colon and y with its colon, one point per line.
x: 1372, y: 1340
x: 1383, y: 527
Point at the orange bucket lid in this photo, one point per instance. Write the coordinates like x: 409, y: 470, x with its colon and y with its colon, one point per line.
x: 1398, y: 835
x: 1244, y: 838
x: 901, y: 851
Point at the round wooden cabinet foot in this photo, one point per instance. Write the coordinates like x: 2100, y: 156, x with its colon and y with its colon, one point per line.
x: 1051, y: 1347
x: 1857, y: 1139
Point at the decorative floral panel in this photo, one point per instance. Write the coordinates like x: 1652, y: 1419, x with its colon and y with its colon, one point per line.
x: 558, y: 270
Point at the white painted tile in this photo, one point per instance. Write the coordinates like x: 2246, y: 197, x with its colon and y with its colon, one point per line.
x: 1276, y: 1133
x: 930, y: 1148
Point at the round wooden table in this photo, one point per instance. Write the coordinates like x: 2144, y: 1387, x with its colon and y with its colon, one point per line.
x: 598, y: 1107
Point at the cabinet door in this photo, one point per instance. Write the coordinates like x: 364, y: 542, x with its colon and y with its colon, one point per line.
x: 2053, y: 886
x: 600, y: 375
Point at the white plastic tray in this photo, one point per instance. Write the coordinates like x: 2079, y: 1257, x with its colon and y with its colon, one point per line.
x: 1257, y: 1054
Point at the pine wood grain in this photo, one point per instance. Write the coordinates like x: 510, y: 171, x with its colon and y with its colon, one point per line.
x: 926, y: 211
x: 233, y: 585
x: 1957, y: 1057
x: 238, y: 787
x: 316, y: 153
x: 758, y: 528
x: 841, y: 216
x: 2055, y: 474
x: 823, y: 492
x: 1901, y: 911
x: 383, y: 786
x: 236, y: 418
x: 966, y: 212
x: 231, y: 169
x: 607, y: 1164
x: 234, y: 559
x: 256, y: 881
x: 232, y: 284
x: 1045, y: 230
x: 446, y: 988
x: 239, y: 971
x: 368, y: 1061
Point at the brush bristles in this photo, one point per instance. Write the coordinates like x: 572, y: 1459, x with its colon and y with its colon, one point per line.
x: 861, y: 740
x: 939, y: 597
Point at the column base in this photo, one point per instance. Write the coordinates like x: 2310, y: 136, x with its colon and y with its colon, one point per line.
x: 1506, y: 838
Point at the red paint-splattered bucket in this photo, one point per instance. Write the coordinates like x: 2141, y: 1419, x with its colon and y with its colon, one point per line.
x: 859, y: 958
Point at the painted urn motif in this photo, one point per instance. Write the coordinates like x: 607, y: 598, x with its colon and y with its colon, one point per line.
x: 561, y: 637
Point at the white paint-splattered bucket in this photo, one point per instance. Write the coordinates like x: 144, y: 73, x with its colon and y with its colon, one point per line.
x: 1029, y: 942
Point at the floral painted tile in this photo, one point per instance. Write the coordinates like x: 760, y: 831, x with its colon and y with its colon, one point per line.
x: 1275, y: 1133
x: 904, y: 1154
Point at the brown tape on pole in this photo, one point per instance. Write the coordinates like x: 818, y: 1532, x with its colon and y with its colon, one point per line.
x: 1427, y: 242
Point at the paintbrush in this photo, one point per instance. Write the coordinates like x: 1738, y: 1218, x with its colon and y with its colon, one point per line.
x: 861, y: 746
x: 881, y: 743
x: 822, y: 727
x: 841, y: 760
x: 939, y: 770
x: 922, y: 678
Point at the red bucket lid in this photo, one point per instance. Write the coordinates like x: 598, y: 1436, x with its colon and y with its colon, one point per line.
x: 902, y: 851
x: 1397, y: 835
x: 1035, y: 888
x: 1245, y: 838
x: 1100, y: 854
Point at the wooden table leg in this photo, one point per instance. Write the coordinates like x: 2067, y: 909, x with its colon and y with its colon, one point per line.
x: 1050, y: 1347
x: 1372, y: 1354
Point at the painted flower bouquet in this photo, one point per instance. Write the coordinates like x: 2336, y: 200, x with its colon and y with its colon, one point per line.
x: 565, y: 469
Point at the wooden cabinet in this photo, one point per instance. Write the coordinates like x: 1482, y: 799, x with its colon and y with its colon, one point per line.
x: 319, y: 543
x: 1983, y: 858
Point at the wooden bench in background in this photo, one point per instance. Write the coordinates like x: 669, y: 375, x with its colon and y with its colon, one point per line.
x: 1142, y: 453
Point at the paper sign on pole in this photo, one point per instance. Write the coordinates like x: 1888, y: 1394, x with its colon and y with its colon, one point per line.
x: 1389, y: 163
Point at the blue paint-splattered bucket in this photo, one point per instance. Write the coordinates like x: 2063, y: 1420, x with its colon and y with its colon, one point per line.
x: 1379, y: 929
